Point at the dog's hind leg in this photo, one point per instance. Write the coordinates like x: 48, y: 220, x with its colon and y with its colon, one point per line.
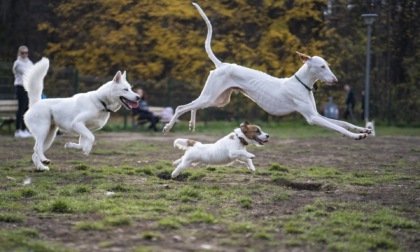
x: 192, y: 121
x: 48, y: 141
x: 38, y: 157
x: 216, y: 87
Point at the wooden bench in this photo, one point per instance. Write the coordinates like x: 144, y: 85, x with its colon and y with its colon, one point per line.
x: 157, y: 111
x: 8, y: 110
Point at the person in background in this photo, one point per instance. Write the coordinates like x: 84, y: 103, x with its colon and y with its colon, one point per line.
x: 330, y: 109
x: 143, y: 111
x: 362, y: 115
x: 20, y: 66
x: 350, y: 103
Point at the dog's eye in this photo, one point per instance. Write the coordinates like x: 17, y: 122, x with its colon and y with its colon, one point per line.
x: 323, y: 67
x: 125, y: 89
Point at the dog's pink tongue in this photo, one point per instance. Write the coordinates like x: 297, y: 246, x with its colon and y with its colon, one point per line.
x: 133, y: 104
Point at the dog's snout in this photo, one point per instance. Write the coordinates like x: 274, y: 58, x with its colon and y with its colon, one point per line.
x: 137, y: 97
x: 334, y: 80
x: 267, y: 136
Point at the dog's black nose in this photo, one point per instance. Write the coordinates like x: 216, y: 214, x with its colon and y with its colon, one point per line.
x: 137, y: 97
x: 268, y: 136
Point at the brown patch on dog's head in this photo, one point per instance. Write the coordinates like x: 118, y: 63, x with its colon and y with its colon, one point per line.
x: 249, y: 130
x: 232, y: 137
x: 254, y: 132
x: 190, y: 143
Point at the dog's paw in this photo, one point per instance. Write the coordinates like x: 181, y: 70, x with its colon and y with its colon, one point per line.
x: 174, y: 175
x: 70, y: 145
x: 252, y: 169
x: 361, y: 136
x: 191, y: 126
x: 166, y: 129
x: 46, y: 161
x: 43, y: 168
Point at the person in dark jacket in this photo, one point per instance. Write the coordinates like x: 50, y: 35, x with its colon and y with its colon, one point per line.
x: 350, y: 103
x: 143, y: 111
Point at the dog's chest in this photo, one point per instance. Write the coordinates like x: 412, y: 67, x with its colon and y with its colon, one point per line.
x: 98, y: 122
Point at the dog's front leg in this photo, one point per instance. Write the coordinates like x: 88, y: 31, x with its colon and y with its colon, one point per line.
x: 342, y: 124
x: 184, y: 164
x: 248, y: 163
x: 241, y: 155
x: 349, y: 126
x: 86, y: 138
x: 245, y: 157
x: 319, y: 120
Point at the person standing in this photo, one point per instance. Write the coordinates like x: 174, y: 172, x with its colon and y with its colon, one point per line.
x: 350, y: 103
x: 20, y: 66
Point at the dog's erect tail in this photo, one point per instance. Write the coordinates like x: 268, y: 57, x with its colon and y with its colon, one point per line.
x: 213, y: 58
x: 184, y: 144
x: 33, y: 80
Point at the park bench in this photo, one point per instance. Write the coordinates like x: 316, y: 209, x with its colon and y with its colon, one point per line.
x: 155, y: 110
x: 8, y: 110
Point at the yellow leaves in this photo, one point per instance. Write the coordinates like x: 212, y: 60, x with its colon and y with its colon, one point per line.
x: 157, y: 38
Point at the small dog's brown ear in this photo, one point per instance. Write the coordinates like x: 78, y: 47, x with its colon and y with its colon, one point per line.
x: 244, y: 126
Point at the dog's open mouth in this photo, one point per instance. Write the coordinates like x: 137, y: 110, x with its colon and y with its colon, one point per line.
x: 129, y: 104
x: 260, y: 141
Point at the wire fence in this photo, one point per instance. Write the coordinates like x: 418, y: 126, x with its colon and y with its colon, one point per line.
x: 65, y: 82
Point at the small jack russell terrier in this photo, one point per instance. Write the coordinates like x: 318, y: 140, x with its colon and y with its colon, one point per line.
x: 226, y: 150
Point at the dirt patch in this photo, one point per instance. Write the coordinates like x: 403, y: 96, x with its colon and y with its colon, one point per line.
x: 373, y: 155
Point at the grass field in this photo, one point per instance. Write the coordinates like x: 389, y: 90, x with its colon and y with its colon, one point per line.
x: 313, y: 191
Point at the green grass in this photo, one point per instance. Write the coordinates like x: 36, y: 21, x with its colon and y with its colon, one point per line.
x: 348, y: 227
x: 123, y: 191
x: 280, y: 128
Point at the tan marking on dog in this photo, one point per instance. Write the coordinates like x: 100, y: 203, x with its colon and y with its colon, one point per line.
x: 252, y: 131
x: 232, y: 137
x: 191, y: 142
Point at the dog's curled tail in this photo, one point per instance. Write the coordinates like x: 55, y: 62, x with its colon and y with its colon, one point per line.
x: 184, y: 144
x: 33, y: 80
x: 213, y: 58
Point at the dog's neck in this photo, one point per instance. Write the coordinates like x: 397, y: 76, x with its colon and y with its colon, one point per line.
x: 238, y: 132
x: 105, y: 106
x: 103, y: 97
x: 304, y: 78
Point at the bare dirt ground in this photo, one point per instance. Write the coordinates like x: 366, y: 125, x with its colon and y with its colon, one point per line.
x: 372, y: 154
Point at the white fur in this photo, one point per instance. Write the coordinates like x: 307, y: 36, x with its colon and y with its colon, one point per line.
x: 79, y: 114
x: 224, y: 151
x: 277, y: 96
x: 371, y: 126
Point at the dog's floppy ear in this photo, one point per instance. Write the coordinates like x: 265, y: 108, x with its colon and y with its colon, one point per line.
x: 244, y: 126
x: 303, y: 57
x: 117, y: 77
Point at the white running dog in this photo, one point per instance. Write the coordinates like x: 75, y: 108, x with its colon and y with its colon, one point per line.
x: 277, y: 96
x: 226, y: 150
x: 80, y: 114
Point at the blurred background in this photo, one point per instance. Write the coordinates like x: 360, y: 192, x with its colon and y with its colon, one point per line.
x: 160, y: 44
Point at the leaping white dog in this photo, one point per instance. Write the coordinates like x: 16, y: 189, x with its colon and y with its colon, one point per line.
x: 226, y: 150
x: 80, y: 114
x: 277, y: 96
